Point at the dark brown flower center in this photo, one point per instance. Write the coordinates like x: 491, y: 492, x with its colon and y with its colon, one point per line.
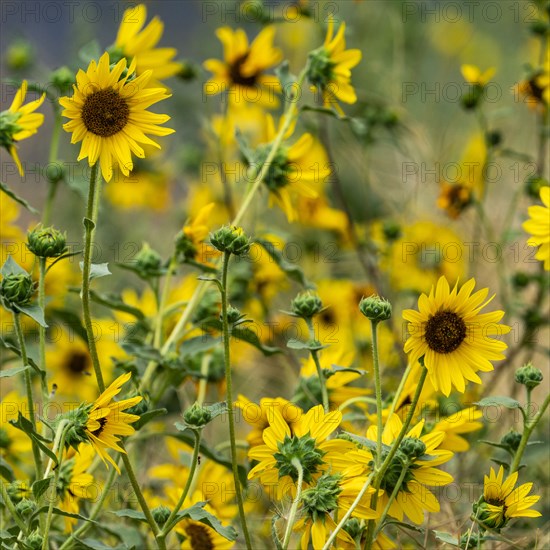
x: 105, y: 112
x: 78, y: 363
x: 102, y: 422
x: 445, y: 331
x: 235, y: 73
x: 200, y: 538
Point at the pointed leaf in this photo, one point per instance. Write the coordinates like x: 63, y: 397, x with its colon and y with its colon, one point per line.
x: 447, y: 538
x: 198, y: 513
x: 41, y: 486
x: 97, y: 270
x: 11, y: 267
x: 502, y: 400
x: 34, y: 311
x: 17, y: 198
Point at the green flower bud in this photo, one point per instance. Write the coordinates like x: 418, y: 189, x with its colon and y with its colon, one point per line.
x: 34, y: 541
x: 472, y: 98
x: 148, y: 261
x: 529, y: 376
x: 139, y: 408
x: 233, y: 315
x: 197, y: 416
x: 55, y: 172
x: 353, y: 528
x: 188, y: 72
x: 306, y: 305
x: 324, y: 496
x: 320, y: 71
x: 230, y: 239
x: 46, y: 242
x: 16, y: 290
x: 63, y: 79
x: 412, y: 447
x: 185, y: 248
x: 161, y: 514
x: 520, y: 279
x: 511, y: 440
x: 19, y: 55
x: 533, y: 185
x: 470, y: 539
x: 392, y: 230
x: 489, y: 517
x: 375, y: 308
x: 540, y: 28
x: 493, y: 138
x: 76, y: 432
x: 25, y: 507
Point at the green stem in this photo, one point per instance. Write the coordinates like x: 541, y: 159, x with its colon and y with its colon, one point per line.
x: 399, y: 390
x: 203, y: 382
x: 172, y: 521
x: 141, y: 499
x: 41, y: 329
x: 378, y: 390
x: 393, y: 496
x: 52, y: 157
x: 229, y: 390
x: 292, y: 515
x: 10, y: 506
x: 28, y: 387
x: 90, y: 223
x: 58, y: 446
x: 358, y: 399
x: 528, y: 428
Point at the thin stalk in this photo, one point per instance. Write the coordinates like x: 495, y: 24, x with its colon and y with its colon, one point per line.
x: 41, y: 329
x: 292, y: 515
x: 203, y: 382
x: 170, y: 523
x: 229, y: 390
x: 89, y: 231
x: 399, y: 390
x: 315, y: 356
x: 378, y: 390
x: 10, y: 506
x: 347, y: 515
x: 358, y: 399
x: 52, y: 157
x: 141, y: 499
x: 58, y: 446
x: 528, y: 428
x: 28, y: 386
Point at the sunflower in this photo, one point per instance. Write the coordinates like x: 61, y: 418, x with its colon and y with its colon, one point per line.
x: 452, y: 336
x: 241, y: 73
x: 295, y: 169
x: 135, y: 42
x: 474, y: 76
x: 106, y: 421
x: 455, y: 425
x: 535, y: 89
x: 330, y: 68
x: 190, y: 241
x: 538, y: 225
x: 20, y: 122
x: 501, y: 502
x: 419, y: 454
x: 307, y: 442
x: 108, y: 113
x: 15, y: 445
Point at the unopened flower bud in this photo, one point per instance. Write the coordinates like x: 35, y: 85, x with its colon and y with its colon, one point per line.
x: 306, y: 305
x: 230, y: 239
x: 375, y: 308
x: 16, y: 290
x: 161, y: 514
x: 412, y: 447
x: 34, y: 541
x: 197, y: 416
x: 486, y: 513
x: 185, y: 247
x: 529, y: 376
x: 511, y: 440
x: 46, y: 242
x: 148, y: 261
x: 25, y: 507
x: 19, y: 55
x: 63, y: 79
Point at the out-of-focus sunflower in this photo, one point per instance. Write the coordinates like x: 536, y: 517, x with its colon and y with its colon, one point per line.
x: 242, y: 72
x: 134, y: 41
x: 108, y: 112
x: 20, y: 122
x: 538, y: 225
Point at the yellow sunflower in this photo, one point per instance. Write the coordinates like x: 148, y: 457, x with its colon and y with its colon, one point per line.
x: 135, y: 42
x: 452, y: 336
x: 308, y: 442
x: 474, y: 76
x: 330, y: 68
x: 419, y: 454
x: 241, y: 73
x: 106, y: 421
x: 20, y: 122
x: 15, y: 445
x: 501, y: 502
x: 455, y: 425
x: 535, y: 89
x: 538, y: 225
x: 108, y: 113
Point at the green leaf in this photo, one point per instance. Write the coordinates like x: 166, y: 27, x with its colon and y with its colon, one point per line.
x: 244, y: 147
x: 214, y: 280
x: 12, y: 372
x: 93, y: 544
x: 63, y: 257
x: 293, y: 343
x: 17, y: 351
x: 249, y: 336
x: 198, y: 344
x: 447, y: 538
x: 502, y: 463
x: 41, y: 486
x: 198, y: 513
x: 497, y: 445
x: 97, y: 270
x: 129, y: 513
x: 59, y: 512
x: 325, y: 111
x: 70, y: 319
x: 90, y: 51
x: 17, y: 198
x: 188, y: 438
x: 6, y: 470
x: 114, y: 301
x: 293, y: 271
x: 287, y: 80
x: 147, y: 417
x: 405, y: 525
x: 88, y: 224
x: 503, y: 401
x: 368, y: 443
x: 34, y: 311
x: 25, y: 425
x: 11, y: 267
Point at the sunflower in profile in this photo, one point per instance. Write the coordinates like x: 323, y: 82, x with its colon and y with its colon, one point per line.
x: 538, y: 225
x: 452, y: 336
x: 330, y: 68
x: 242, y: 72
x: 133, y: 41
x: 20, y: 122
x: 501, y: 502
x: 108, y: 113
x: 106, y: 421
